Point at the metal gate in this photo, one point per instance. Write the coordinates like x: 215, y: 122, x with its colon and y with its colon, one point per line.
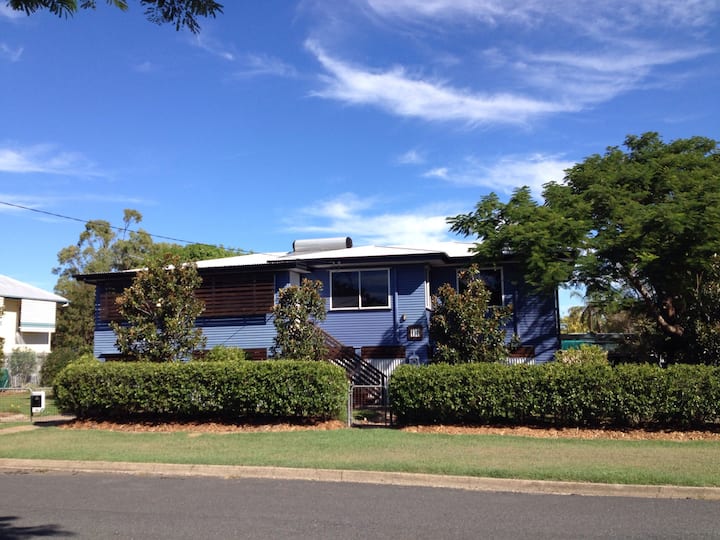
x: 368, y: 405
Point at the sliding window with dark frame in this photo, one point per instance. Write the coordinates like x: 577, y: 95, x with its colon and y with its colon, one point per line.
x: 360, y: 289
x: 493, y: 279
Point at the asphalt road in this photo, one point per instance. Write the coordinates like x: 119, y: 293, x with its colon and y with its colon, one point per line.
x: 63, y: 505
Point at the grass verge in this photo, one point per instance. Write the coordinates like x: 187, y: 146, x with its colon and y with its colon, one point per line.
x: 18, y: 402
x: 688, y: 463
x: 7, y: 425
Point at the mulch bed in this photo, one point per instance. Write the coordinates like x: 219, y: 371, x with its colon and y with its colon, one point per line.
x: 522, y: 431
x: 158, y: 426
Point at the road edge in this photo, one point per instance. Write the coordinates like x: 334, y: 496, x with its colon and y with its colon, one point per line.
x: 469, y: 483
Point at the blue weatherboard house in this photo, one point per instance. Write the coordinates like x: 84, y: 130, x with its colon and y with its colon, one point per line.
x: 378, y: 302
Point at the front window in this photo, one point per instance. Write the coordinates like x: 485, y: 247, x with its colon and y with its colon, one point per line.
x: 359, y: 289
x: 493, y: 281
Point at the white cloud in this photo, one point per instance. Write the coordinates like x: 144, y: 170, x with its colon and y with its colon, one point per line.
x: 614, y: 46
x: 342, y: 207
x: 347, y: 214
x: 214, y: 47
x: 616, y: 15
x: 11, y: 202
x: 254, y: 65
x: 505, y: 174
x: 12, y: 54
x: 249, y: 64
x: 437, y: 172
x: 8, y: 12
x: 37, y: 205
x: 488, y: 11
x: 45, y: 159
x: 144, y: 67
x: 411, y: 157
x: 591, y: 78
x: 395, y: 91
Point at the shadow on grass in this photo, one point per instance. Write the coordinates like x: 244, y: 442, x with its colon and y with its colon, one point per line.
x: 9, y: 531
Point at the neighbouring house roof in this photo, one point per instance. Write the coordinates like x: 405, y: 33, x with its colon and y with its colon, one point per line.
x: 12, y: 288
x: 440, y: 253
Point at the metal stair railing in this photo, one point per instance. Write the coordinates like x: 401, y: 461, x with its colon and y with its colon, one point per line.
x: 358, y: 370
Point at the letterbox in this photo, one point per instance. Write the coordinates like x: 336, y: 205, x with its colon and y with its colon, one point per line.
x: 37, y: 401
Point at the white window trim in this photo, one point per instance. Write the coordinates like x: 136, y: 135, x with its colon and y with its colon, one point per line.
x: 361, y: 308
x: 426, y: 285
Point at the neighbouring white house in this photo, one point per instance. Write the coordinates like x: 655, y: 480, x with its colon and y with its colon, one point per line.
x: 27, y: 316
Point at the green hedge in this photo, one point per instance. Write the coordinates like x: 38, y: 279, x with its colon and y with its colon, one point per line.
x: 591, y: 393
x: 193, y: 390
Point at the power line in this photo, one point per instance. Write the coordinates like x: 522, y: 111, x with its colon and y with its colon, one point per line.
x: 86, y: 221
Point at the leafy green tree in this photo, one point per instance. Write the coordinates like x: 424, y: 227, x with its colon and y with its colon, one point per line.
x: 105, y: 248
x: 638, y: 226
x: 298, y: 309
x: 583, y: 355
x: 195, y: 252
x: 22, y: 363
x: 464, y: 327
x: 601, y: 316
x: 703, y: 316
x: 159, y: 311
x: 573, y: 323
x: 56, y: 361
x: 100, y: 248
x: 181, y: 13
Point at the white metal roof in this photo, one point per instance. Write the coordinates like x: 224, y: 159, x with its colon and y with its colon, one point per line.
x: 433, y: 252
x: 447, y: 249
x: 12, y: 288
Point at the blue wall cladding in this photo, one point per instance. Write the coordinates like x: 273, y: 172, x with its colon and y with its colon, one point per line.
x: 534, y: 317
x: 382, y: 326
x: 246, y: 332
x: 534, y: 320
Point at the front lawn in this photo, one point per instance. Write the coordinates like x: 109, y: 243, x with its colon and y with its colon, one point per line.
x: 687, y: 463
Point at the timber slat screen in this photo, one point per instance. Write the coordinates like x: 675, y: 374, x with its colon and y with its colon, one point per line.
x: 244, y: 294
x: 224, y: 296
x: 108, y: 305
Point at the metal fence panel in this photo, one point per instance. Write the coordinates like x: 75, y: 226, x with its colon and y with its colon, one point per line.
x: 368, y: 405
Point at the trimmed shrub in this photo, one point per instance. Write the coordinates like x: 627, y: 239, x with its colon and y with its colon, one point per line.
x: 586, y: 353
x: 576, y: 394
x: 463, y: 393
x: 221, y: 353
x: 196, y: 390
x: 56, y: 361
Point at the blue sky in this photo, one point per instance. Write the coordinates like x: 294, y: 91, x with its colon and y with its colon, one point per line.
x: 374, y: 119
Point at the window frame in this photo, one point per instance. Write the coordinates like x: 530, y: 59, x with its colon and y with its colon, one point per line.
x: 501, y: 277
x: 359, y: 272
